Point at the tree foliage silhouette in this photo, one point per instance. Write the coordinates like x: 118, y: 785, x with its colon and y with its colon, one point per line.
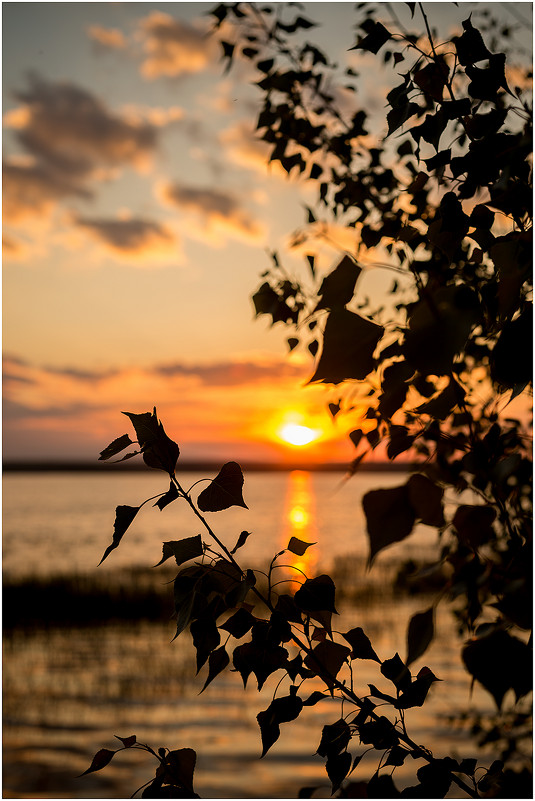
x: 444, y: 199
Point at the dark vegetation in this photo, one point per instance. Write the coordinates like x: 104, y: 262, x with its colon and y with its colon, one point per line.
x: 445, y: 200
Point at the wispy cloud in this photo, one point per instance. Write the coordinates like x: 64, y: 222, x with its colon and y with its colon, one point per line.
x: 31, y: 189
x: 133, y: 239
x: 220, y: 213
x: 172, y: 47
x: 108, y: 38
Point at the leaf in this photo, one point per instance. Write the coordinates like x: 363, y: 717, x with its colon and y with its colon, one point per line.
x: 115, y: 447
x: 224, y: 491
x: 326, y: 660
x: 206, y: 638
x: 128, y: 742
x: 381, y: 785
x: 281, y: 710
x: 316, y: 595
x: 420, y: 633
x: 416, y: 693
x: 217, y: 662
x: 260, y: 659
x: 338, y: 287
x: 390, y: 517
x: 377, y: 36
x: 349, y: 342
x: 239, y: 623
x: 425, y: 498
x: 170, y: 496
x: 361, y: 645
x: 335, y: 738
x: 337, y: 767
x: 124, y: 515
x: 314, y: 698
x: 470, y: 46
x: 159, y: 451
x: 297, y: 546
x: 100, y: 760
x: 499, y: 662
x: 182, y: 550
x: 397, y: 116
x: 397, y: 672
x: 177, y: 770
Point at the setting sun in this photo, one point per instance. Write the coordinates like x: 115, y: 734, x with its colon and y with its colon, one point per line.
x: 298, y: 435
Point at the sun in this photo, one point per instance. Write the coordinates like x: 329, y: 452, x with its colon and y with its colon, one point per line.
x: 298, y: 435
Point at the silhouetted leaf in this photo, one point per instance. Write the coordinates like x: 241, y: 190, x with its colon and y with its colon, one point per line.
x: 420, y: 633
x: 206, y: 638
x: 177, y: 769
x: 337, y: 767
x: 326, y: 659
x: 416, y: 693
x: 397, y: 116
x: 335, y: 738
x: 380, y: 733
x: 397, y: 756
x: 224, y: 491
x: 470, y: 46
x: 115, y: 447
x: 361, y: 645
x: 239, y: 623
x: 281, y: 710
x: 314, y: 697
x: 241, y: 540
x: 390, y: 517
x: 217, y: 662
x: 159, y: 451
x: 397, y: 672
x: 298, y: 547
x: 499, y: 662
x: 124, y: 515
x: 261, y: 659
x: 425, y: 498
x: 170, y: 496
x: 100, y: 760
x: 349, y: 342
x: 316, y: 595
x: 338, y: 287
x: 377, y: 36
x: 182, y: 550
x: 381, y: 785
x: 128, y: 742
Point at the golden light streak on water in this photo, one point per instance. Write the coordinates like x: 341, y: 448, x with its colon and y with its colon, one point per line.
x: 299, y: 520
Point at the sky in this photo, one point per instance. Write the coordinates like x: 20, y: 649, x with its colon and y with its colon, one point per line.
x: 138, y: 213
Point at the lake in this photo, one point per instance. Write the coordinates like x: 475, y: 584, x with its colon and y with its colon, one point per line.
x: 69, y: 688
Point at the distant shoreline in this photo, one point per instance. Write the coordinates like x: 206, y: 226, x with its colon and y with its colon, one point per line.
x: 183, y: 467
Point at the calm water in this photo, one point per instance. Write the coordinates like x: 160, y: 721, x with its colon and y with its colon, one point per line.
x: 68, y: 691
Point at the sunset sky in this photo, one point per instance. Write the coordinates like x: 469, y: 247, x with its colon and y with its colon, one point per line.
x: 138, y: 212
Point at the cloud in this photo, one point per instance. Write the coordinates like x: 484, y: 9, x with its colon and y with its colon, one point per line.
x: 33, y: 189
x: 69, y: 130
x: 133, y: 239
x: 109, y: 38
x: 220, y: 212
x: 172, y: 47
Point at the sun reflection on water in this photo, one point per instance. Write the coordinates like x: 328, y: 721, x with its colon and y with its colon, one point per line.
x: 299, y: 521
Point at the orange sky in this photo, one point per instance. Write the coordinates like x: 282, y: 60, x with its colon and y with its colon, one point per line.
x: 137, y: 213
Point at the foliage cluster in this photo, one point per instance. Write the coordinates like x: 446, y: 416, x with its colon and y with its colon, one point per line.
x: 445, y: 200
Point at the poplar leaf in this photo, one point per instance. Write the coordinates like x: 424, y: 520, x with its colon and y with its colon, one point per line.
x: 224, y: 491
x: 123, y: 518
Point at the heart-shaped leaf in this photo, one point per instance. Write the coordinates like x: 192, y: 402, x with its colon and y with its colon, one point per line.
x: 224, y: 491
x: 182, y: 550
